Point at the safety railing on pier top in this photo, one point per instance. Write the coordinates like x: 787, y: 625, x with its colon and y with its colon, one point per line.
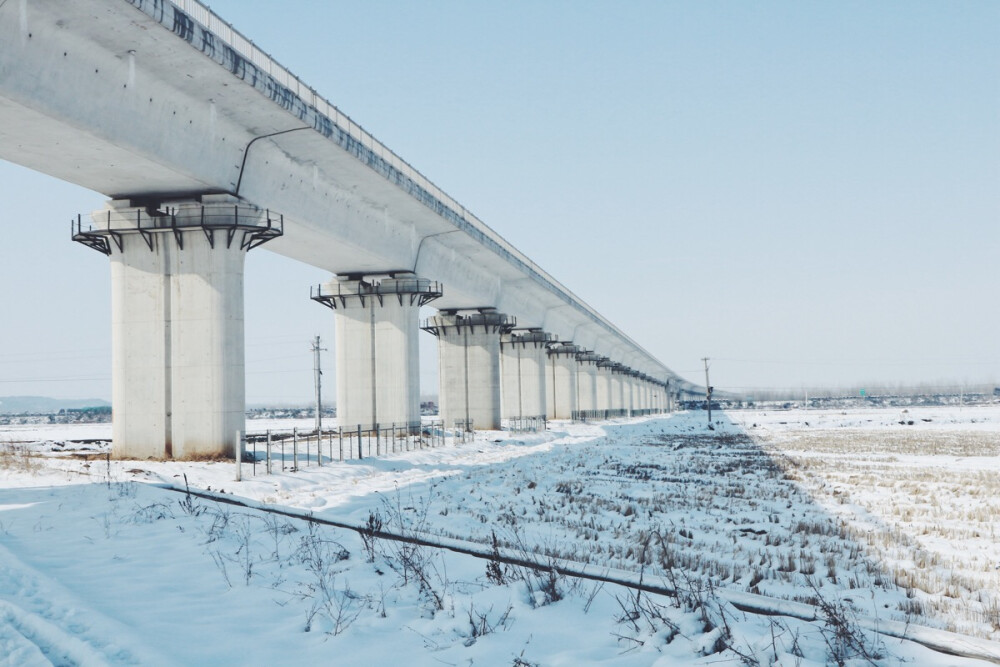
x: 291, y: 450
x: 265, y: 63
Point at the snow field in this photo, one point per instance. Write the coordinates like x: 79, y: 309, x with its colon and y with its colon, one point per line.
x: 134, y: 574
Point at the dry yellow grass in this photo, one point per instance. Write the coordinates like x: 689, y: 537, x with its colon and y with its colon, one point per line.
x: 925, y: 504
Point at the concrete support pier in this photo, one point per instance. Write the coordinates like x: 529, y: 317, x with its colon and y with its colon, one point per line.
x: 177, y: 321
x: 586, y: 380
x: 469, y: 360
x: 376, y: 321
x: 603, y: 384
x: 561, y: 396
x: 628, y: 390
x: 618, y: 378
x: 523, y: 377
x: 641, y: 393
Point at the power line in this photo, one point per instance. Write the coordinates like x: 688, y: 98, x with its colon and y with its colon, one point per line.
x: 869, y: 362
x: 62, y: 379
x: 282, y: 358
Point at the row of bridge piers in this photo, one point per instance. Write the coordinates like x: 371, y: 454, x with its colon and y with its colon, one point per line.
x: 178, y: 375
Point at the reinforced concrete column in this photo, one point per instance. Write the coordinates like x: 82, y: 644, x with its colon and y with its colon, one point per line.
x: 586, y: 380
x: 376, y: 323
x: 561, y: 388
x: 523, y: 377
x: 178, y: 374
x: 604, y: 400
x: 618, y: 378
x: 626, y: 380
x: 643, y: 390
x: 469, y: 360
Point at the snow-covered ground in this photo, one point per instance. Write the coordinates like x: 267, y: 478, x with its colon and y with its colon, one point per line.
x: 853, y: 513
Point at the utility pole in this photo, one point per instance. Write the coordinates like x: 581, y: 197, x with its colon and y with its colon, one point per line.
x: 318, y: 373
x: 708, y: 392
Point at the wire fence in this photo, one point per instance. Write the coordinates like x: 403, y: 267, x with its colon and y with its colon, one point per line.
x: 531, y: 424
x: 598, y: 415
x: 292, y: 450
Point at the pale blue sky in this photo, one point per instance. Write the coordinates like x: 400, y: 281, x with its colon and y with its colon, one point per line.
x: 808, y: 192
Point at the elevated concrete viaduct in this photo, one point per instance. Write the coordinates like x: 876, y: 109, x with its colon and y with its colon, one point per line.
x: 179, y: 119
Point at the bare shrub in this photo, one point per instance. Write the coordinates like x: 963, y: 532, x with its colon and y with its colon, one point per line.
x: 18, y: 458
x: 481, y: 625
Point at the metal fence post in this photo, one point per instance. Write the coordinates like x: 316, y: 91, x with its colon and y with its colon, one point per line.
x: 239, y: 456
x: 295, y: 449
x: 268, y: 451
